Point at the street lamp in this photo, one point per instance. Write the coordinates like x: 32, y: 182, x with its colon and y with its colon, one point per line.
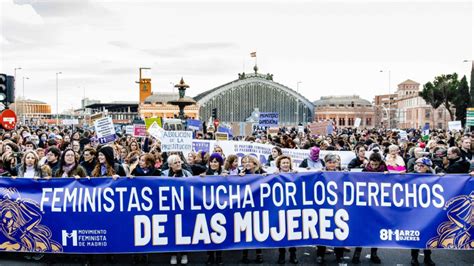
x: 389, y: 100
x: 24, y: 102
x: 57, y: 98
x: 14, y: 82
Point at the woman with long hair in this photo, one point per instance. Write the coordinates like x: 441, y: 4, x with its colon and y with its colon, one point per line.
x: 69, y: 165
x: 29, y: 167
x: 106, y: 166
x: 251, y: 166
x: 231, y: 165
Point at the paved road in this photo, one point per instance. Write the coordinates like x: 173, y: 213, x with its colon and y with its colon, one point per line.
x: 306, y: 256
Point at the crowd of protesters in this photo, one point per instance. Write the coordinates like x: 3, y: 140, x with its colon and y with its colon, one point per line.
x: 52, y: 152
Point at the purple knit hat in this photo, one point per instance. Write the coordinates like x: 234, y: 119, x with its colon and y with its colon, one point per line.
x: 216, y: 156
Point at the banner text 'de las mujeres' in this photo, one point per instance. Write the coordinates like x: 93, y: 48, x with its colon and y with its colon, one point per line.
x: 161, y: 214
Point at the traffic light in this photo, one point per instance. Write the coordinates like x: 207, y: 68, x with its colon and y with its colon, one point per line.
x: 7, y: 89
x: 10, y: 89
x: 214, y: 113
x: 3, y: 88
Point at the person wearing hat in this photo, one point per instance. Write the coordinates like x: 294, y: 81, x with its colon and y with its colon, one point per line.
x: 332, y: 165
x: 313, y: 161
x: 440, y: 161
x: 423, y: 165
x: 106, y: 165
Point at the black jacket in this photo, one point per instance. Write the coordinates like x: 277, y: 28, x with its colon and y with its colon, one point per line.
x: 458, y: 166
x: 89, y: 166
x: 356, y: 163
x: 138, y: 171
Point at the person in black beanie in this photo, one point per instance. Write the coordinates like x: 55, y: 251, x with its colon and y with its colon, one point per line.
x: 106, y: 165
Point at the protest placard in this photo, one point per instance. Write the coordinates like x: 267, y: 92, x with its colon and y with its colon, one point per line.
x: 139, y: 130
x: 268, y: 119
x: 177, y: 141
x: 105, y: 130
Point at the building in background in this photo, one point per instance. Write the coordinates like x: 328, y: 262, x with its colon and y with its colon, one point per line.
x: 31, y: 110
x: 121, y: 112
x: 236, y: 100
x: 344, y: 110
x: 414, y: 112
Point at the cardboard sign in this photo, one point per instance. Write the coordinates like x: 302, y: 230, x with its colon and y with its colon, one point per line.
x: 222, y: 136
x: 357, y: 122
x: 454, y: 125
x: 156, y: 131
x: 150, y: 121
x: 105, y: 129
x: 139, y: 130
x: 319, y: 128
x: 177, y: 141
x: 129, y: 130
x: 268, y: 119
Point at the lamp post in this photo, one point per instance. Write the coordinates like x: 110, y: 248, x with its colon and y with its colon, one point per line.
x: 14, y: 82
x: 57, y: 98
x: 24, y: 102
x: 298, y: 86
x: 389, y: 100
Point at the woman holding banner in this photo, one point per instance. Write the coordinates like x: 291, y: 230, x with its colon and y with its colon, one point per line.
x: 394, y: 161
x: 231, y: 164
x: 375, y: 165
x: 215, y: 168
x: 313, y: 162
x: 332, y: 164
x: 285, y: 165
x: 423, y: 166
x: 146, y: 166
x: 69, y: 166
x: 106, y: 166
x: 251, y: 167
x: 176, y: 170
x: 29, y: 168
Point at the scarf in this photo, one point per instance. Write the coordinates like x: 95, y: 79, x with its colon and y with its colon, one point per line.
x: 67, y: 168
x: 103, y: 169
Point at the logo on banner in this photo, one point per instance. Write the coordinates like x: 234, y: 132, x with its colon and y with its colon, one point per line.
x: 72, y: 235
x: 21, y: 225
x: 457, y: 232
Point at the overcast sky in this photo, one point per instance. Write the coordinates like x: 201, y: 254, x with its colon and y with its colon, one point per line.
x: 332, y: 47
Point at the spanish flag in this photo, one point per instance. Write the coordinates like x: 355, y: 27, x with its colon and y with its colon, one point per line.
x: 253, y: 54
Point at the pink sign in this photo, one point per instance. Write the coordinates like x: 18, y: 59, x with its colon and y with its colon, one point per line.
x: 139, y: 130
